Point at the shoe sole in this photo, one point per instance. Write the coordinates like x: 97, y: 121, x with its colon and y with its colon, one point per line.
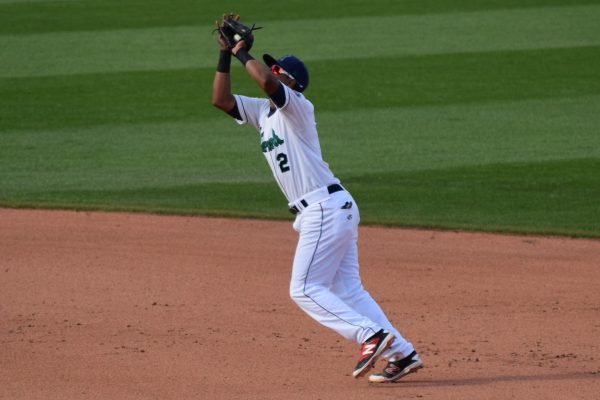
x: 408, y: 370
x: 384, y: 346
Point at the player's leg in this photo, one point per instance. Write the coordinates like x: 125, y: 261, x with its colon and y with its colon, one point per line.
x: 325, y: 235
x: 348, y: 287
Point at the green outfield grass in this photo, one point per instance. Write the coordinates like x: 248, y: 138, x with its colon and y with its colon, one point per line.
x: 480, y: 115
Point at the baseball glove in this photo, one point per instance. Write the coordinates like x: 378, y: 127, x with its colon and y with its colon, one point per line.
x: 232, y: 31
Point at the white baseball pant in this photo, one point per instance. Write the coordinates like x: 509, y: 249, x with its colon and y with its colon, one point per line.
x: 325, y: 279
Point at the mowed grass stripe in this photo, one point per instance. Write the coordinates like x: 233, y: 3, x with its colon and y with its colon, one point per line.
x: 176, y: 95
x: 173, y: 154
x: 553, y: 197
x: 260, y: 200
x: 451, y: 136
x: 130, y: 156
x: 18, y: 17
x: 459, y: 78
x: 162, y: 48
x: 544, y: 198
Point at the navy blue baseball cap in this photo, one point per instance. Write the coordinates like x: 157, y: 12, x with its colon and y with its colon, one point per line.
x: 293, y: 66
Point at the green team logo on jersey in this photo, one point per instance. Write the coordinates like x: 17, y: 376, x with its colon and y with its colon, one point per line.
x: 272, y: 143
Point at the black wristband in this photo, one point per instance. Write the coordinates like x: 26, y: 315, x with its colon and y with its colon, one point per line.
x: 224, y: 61
x: 243, y: 55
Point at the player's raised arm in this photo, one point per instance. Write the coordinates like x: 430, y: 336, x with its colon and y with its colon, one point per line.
x: 260, y: 73
x: 221, y: 91
x: 237, y: 39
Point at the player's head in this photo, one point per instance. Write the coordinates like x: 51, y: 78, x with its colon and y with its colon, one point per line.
x: 289, y: 66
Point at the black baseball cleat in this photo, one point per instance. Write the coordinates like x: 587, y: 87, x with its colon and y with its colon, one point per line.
x: 397, y: 369
x: 371, y: 350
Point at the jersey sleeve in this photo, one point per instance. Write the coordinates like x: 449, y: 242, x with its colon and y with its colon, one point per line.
x: 297, y: 110
x: 250, y: 109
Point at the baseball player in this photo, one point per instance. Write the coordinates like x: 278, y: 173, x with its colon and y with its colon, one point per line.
x: 325, y: 281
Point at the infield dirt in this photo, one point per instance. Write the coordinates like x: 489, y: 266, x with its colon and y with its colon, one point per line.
x: 131, y: 306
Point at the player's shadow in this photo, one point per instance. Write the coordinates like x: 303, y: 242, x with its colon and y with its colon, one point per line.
x: 411, y: 382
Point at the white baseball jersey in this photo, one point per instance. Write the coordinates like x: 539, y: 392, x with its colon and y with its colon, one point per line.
x: 289, y: 141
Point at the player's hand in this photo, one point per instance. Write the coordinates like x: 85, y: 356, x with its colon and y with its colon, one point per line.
x: 222, y: 43
x: 239, y: 45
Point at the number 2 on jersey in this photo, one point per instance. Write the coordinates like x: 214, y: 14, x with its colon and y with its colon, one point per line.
x: 283, y: 162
